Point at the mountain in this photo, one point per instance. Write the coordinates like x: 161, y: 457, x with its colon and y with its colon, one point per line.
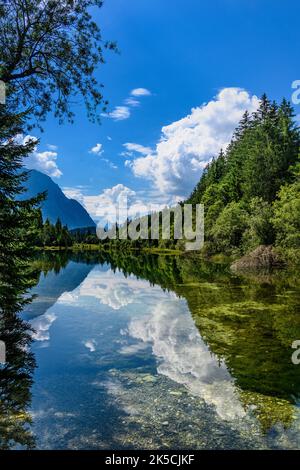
x: 56, y: 205
x: 53, y: 285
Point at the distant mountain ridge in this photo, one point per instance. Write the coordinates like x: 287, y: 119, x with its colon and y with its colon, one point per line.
x: 57, y: 205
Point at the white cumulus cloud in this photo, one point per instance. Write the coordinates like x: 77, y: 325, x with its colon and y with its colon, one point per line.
x: 90, y: 344
x: 97, y: 149
x: 187, y: 145
x: 131, y: 147
x: 46, y: 162
x: 41, y: 326
x: 183, y: 357
x: 140, y: 92
x: 73, y: 193
x: 103, y: 207
x: 110, y: 288
x: 119, y: 113
x: 132, y: 102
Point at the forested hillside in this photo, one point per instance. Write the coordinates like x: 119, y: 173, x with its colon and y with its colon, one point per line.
x: 251, y: 192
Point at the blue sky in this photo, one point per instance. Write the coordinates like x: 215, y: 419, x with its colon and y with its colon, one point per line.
x: 192, y: 54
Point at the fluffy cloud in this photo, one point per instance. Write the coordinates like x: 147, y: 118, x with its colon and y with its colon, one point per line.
x: 110, y: 288
x: 140, y: 92
x: 74, y: 193
x: 45, y: 162
x: 183, y: 357
x: 42, y: 161
x: 41, y: 326
x: 97, y: 149
x: 52, y: 147
x: 131, y: 147
x: 102, y: 207
x: 187, y: 145
x: 90, y: 344
x: 132, y: 102
x: 119, y: 113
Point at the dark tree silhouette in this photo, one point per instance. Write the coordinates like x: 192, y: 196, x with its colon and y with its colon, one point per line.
x: 49, y: 51
x: 17, y: 235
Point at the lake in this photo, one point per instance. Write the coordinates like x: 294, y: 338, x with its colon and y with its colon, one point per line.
x: 147, y: 351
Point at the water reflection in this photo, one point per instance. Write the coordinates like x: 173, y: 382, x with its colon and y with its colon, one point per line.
x: 163, y: 352
x: 109, y: 287
x: 16, y: 375
x: 184, y: 357
x: 58, y: 274
x: 15, y: 384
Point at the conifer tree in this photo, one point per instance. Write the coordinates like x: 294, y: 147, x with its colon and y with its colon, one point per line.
x: 18, y: 231
x: 260, y: 161
x: 17, y: 218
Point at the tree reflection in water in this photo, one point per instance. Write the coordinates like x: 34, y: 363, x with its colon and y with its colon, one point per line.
x: 248, y: 323
x: 16, y: 375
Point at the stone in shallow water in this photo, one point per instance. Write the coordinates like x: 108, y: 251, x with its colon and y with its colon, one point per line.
x: 148, y: 378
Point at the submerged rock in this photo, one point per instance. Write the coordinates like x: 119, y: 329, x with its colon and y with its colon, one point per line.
x: 263, y: 257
